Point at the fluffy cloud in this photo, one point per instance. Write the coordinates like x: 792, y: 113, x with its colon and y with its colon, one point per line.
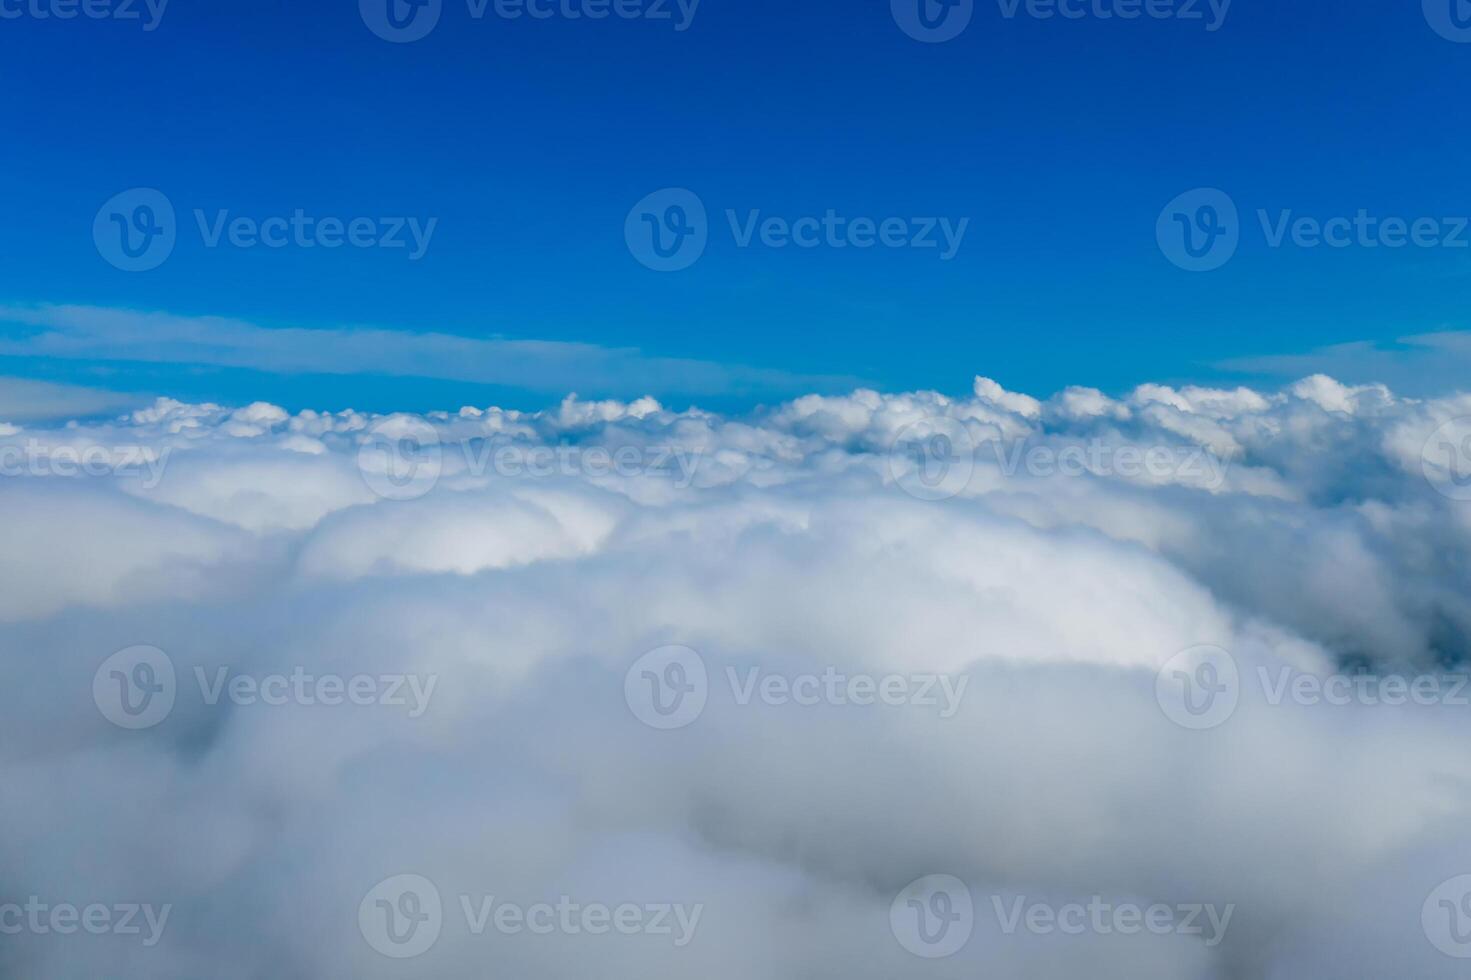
x: 929, y: 636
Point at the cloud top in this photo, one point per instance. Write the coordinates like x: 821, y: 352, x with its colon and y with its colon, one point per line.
x: 812, y: 686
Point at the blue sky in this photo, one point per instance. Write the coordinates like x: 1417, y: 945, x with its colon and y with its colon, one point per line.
x: 527, y: 141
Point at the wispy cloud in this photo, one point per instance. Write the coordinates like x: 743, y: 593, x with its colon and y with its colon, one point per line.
x: 102, y: 333
x: 1419, y: 364
x: 28, y: 400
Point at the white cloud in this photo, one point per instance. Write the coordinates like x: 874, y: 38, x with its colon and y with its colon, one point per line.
x: 105, y: 334
x: 25, y: 400
x: 1055, y: 577
x: 1417, y: 364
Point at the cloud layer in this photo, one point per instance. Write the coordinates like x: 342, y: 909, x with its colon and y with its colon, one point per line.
x: 774, y: 669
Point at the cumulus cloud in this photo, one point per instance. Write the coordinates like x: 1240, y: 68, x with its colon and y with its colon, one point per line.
x: 761, y: 679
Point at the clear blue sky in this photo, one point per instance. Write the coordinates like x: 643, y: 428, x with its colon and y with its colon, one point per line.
x: 1060, y: 141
